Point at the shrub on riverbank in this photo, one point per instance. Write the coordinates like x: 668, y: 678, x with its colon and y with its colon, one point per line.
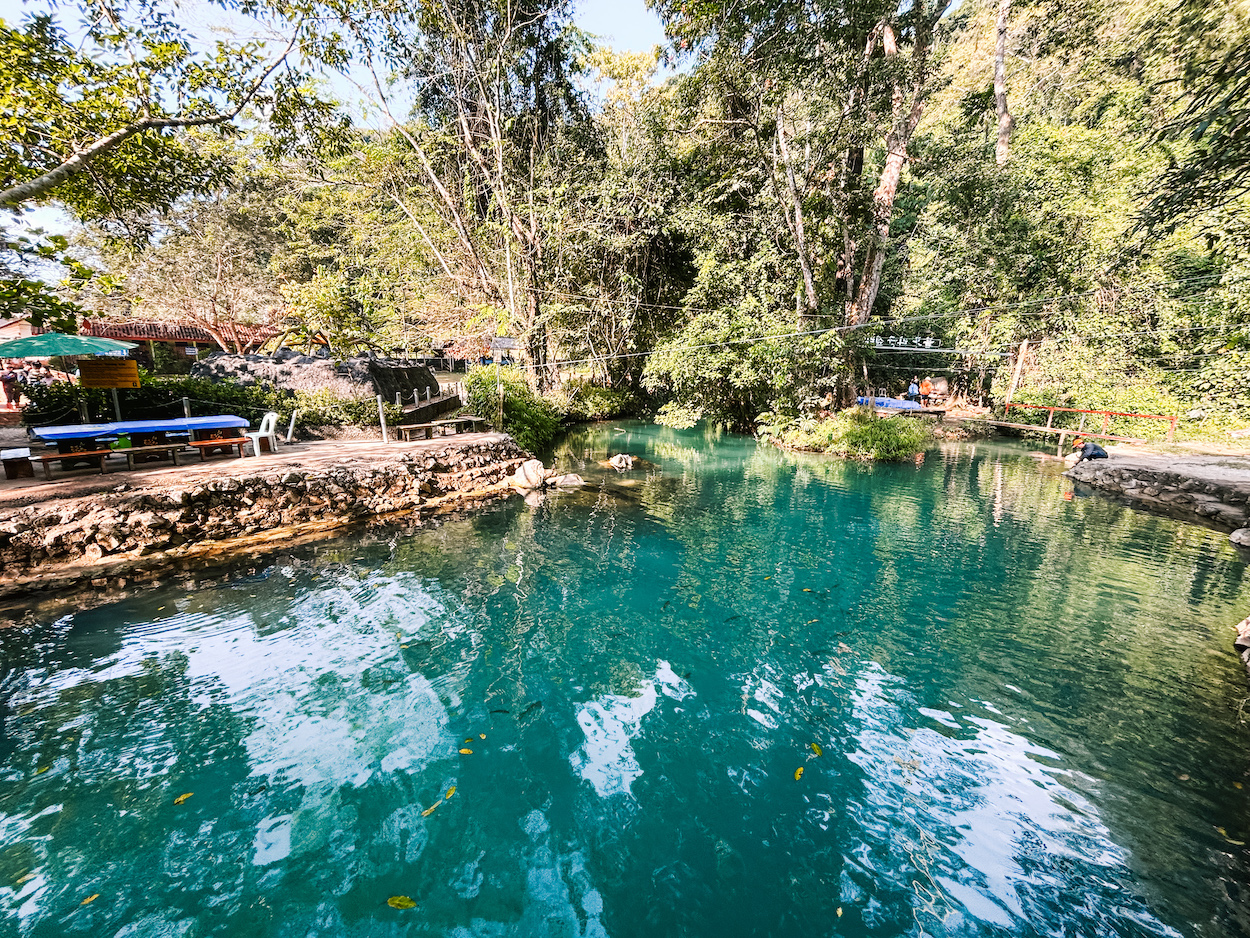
x: 533, y: 421
x: 855, y: 434
x: 581, y: 402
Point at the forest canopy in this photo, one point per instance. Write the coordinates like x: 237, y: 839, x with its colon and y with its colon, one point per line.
x: 819, y: 199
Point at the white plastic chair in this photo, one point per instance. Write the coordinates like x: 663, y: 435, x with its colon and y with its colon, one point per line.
x: 267, y: 430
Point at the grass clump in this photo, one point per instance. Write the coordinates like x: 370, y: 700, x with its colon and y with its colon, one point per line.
x: 854, y: 434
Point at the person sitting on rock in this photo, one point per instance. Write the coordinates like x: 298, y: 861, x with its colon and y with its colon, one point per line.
x: 1088, y: 449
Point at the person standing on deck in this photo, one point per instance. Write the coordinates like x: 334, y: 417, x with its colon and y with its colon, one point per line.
x: 926, y: 392
x: 8, y: 379
x: 913, y: 390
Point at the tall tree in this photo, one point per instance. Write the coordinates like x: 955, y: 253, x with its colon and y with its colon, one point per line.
x: 493, y: 87
x: 1002, y: 149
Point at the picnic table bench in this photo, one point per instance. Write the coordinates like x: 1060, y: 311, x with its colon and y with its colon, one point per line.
x: 89, y: 454
x: 427, y: 430
x: 85, y: 442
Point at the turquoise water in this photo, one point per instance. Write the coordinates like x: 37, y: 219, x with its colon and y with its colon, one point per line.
x: 1026, y: 705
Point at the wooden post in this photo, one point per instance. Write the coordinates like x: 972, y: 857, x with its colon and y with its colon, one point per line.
x: 1172, y: 430
x: 1015, y: 378
x: 1051, y: 419
x: 290, y: 430
x: 382, y: 419
x: 1081, y: 428
x: 117, y: 407
x: 398, y: 401
x: 186, y: 407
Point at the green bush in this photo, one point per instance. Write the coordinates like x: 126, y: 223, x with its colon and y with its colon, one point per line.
x: 580, y: 400
x: 532, y: 420
x: 854, y: 433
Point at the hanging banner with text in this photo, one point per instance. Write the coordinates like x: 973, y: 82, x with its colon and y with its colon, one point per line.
x: 108, y: 373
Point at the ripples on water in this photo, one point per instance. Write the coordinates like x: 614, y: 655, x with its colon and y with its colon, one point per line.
x: 1015, y: 714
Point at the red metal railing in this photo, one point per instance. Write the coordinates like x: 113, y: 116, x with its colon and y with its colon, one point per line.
x: 1106, y: 416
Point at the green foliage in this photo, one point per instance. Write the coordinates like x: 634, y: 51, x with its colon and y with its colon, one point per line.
x: 121, y: 96
x: 532, y: 420
x: 27, y: 261
x: 168, y: 360
x: 579, y: 400
x: 1078, y: 376
x: 854, y: 433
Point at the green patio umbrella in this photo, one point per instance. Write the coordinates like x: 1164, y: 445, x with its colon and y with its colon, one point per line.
x: 58, y: 343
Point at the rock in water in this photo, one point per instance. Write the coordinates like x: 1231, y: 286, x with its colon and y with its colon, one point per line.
x: 530, y: 475
x: 621, y: 461
x: 571, y: 480
x: 1240, y: 537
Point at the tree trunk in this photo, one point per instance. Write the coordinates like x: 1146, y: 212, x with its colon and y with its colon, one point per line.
x: 1005, y: 121
x: 905, y: 120
x: 797, y: 228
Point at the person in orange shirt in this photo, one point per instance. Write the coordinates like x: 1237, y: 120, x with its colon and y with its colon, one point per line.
x: 926, y: 392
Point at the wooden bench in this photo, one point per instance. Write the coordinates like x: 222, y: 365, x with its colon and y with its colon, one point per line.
x: 156, y: 449
x: 227, y: 444
x: 95, y: 456
x: 409, y: 430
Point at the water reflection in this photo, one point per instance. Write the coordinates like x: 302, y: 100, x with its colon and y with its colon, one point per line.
x: 1015, y: 714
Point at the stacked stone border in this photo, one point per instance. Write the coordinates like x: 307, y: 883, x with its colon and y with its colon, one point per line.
x: 91, y: 540
x: 1221, y: 504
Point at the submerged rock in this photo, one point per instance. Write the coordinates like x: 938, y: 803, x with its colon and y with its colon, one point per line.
x: 621, y: 462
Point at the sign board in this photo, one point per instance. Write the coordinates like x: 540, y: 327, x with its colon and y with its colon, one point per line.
x: 108, y: 373
x: 901, y: 341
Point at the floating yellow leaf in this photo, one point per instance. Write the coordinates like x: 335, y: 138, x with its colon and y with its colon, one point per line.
x: 768, y: 578
x: 91, y: 898
x: 430, y: 810
x: 1237, y: 785
x: 807, y: 591
x: 23, y: 879
x: 181, y: 798
x: 403, y: 646
x: 839, y: 911
x: 798, y: 773
x: 46, y: 767
x: 451, y: 791
x: 399, y: 634
x: 160, y: 608
x: 468, y: 739
x: 401, y: 902
x: 481, y: 735
x: 466, y: 752
x: 816, y: 749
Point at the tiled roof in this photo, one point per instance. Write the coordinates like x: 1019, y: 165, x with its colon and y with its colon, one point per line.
x: 142, y: 330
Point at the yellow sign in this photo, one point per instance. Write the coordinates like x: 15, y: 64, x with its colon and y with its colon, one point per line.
x: 108, y: 373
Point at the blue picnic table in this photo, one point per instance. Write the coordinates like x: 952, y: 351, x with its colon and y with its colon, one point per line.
x: 78, y: 431
x: 148, y: 439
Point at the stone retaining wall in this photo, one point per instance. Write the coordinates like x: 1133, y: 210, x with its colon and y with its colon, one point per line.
x: 59, y: 543
x: 1221, y: 502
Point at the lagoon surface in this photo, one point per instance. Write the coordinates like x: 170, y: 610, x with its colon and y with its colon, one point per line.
x: 732, y: 692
